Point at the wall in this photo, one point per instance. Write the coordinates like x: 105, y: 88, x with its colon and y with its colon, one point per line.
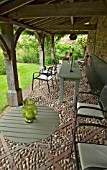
x: 97, y: 39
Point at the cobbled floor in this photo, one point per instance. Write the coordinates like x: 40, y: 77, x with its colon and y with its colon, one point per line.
x: 58, y: 157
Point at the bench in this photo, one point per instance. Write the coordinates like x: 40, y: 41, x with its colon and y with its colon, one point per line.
x: 96, y: 74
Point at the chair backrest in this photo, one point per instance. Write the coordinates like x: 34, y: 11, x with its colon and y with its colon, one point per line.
x: 49, y: 71
x: 103, y: 98
x: 41, y: 70
x: 55, y: 65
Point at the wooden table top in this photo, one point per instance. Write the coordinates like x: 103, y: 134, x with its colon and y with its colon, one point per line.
x: 14, y: 127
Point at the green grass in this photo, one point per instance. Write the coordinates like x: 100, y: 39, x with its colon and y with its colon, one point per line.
x: 3, y: 90
x: 25, y: 74
x: 25, y: 78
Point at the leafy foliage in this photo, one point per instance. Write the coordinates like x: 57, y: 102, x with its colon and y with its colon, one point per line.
x: 80, y: 45
x: 2, y: 64
x: 27, y: 49
x: 58, y: 37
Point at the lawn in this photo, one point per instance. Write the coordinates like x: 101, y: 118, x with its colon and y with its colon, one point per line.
x: 25, y: 78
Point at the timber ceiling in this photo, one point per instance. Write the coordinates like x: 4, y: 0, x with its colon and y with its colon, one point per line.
x: 52, y: 16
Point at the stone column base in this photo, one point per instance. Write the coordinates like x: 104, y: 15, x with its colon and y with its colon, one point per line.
x: 14, y: 98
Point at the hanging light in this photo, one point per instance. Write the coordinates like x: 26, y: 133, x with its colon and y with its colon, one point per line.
x: 73, y: 37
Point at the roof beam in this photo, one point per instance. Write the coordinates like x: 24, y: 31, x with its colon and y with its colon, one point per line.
x: 95, y: 8
x: 80, y: 20
x: 1, y: 2
x: 72, y: 18
x: 45, y: 22
x: 52, y: 23
x: 5, y: 20
x: 75, y: 27
x: 13, y: 5
x: 70, y: 32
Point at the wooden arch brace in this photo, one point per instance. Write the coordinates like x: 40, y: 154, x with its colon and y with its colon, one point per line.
x: 41, y: 37
x: 5, y: 48
x: 7, y: 42
x: 17, y: 34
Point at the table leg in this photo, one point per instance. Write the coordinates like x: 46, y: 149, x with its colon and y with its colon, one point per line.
x: 61, y: 90
x: 76, y: 89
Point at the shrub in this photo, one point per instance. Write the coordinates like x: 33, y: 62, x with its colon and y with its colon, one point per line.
x: 27, y: 56
x: 27, y: 49
x: 61, y: 49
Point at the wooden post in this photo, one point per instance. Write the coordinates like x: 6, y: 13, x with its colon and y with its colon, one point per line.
x: 41, y: 50
x: 52, y: 47
x: 14, y: 93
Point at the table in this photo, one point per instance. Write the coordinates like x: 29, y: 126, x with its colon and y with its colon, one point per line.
x: 66, y: 75
x: 14, y: 128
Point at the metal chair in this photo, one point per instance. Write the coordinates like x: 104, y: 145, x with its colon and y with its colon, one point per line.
x: 92, y: 110
x: 90, y: 156
x: 53, y: 68
x: 43, y: 75
x: 87, y: 110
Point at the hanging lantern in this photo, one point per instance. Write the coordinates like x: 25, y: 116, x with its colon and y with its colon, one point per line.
x: 73, y: 37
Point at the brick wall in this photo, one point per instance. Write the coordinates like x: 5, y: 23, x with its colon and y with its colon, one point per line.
x: 97, y: 39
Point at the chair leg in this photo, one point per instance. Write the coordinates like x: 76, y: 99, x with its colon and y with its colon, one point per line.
x: 39, y: 83
x: 72, y: 149
x: 52, y: 84
x: 56, y: 79
x: 32, y: 83
x: 48, y: 86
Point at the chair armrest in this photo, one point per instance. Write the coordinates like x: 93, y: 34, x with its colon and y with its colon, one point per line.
x: 39, y: 73
x: 46, y: 74
x: 48, y: 71
x: 35, y: 73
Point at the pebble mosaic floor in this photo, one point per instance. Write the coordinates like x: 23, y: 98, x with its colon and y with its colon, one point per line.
x: 57, y: 158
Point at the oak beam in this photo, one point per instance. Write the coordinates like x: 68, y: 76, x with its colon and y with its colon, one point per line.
x: 52, y: 48
x: 56, y: 21
x: 76, y: 9
x: 17, y: 34
x: 5, y: 48
x: 41, y: 38
x: 1, y: 2
x: 14, y: 93
x: 76, y: 27
x: 72, y: 18
x: 10, y: 21
x: 13, y: 5
x: 69, y: 32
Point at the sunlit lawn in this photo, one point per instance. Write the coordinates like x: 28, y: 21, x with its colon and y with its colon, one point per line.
x: 25, y: 78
